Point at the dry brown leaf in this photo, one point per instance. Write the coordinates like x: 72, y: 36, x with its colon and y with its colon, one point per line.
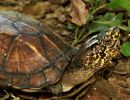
x: 78, y: 12
x: 37, y: 10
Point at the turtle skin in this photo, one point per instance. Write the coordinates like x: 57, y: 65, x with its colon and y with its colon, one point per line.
x: 31, y: 56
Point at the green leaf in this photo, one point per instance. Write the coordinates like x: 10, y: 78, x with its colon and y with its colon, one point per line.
x: 128, y: 28
x: 111, y: 19
x: 129, y: 23
x: 114, y: 19
x: 106, y: 21
x: 95, y: 27
x: 116, y: 4
x: 125, y: 49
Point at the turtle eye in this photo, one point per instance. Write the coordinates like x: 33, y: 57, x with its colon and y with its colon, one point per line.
x: 107, y: 41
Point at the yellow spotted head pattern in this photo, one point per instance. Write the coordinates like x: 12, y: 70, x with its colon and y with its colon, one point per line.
x: 101, y: 53
x: 110, y: 41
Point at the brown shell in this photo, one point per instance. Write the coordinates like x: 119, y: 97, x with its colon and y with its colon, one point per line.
x: 31, y: 56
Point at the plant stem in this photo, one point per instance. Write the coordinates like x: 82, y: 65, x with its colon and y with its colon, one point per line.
x: 81, y: 33
x: 76, y: 36
x: 100, y: 7
x: 123, y: 28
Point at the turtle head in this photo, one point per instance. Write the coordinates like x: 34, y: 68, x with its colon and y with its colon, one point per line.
x: 110, y: 37
x: 110, y: 40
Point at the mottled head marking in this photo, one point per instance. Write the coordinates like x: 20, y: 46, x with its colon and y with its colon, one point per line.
x: 110, y: 39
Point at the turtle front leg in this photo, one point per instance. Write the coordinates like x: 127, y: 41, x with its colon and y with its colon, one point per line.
x: 74, y: 93
x: 55, y: 88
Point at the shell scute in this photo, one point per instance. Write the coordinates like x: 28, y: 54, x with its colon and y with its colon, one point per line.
x: 18, y: 17
x: 50, y: 48
x: 19, y: 81
x: 52, y: 73
x: 26, y: 55
x: 24, y: 28
x: 37, y: 80
x: 5, y: 42
x: 31, y: 56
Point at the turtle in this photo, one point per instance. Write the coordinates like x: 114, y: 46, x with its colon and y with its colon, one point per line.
x: 33, y: 57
